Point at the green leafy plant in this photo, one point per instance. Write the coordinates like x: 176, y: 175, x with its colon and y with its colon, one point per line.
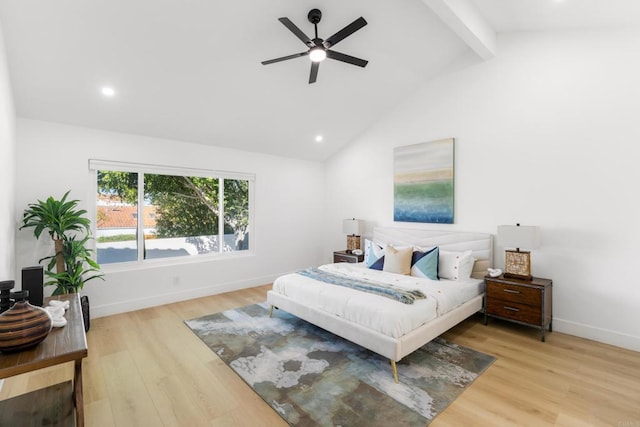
x: 70, y: 230
x: 79, y: 266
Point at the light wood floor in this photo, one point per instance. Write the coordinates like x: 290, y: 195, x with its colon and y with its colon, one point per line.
x: 146, y: 368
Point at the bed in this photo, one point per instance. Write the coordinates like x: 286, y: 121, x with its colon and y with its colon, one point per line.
x: 378, y: 323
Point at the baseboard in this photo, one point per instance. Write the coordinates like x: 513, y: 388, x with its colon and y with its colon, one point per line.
x: 606, y: 336
x: 182, y: 295
x: 560, y: 325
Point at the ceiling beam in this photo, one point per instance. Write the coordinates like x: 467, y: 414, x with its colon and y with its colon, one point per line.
x: 462, y: 17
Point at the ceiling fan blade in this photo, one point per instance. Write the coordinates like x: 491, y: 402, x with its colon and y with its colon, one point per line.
x: 284, y: 58
x: 314, y: 72
x: 297, y: 31
x: 345, y: 32
x: 346, y: 58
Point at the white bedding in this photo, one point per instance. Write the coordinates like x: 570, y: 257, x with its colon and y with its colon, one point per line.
x: 380, y: 314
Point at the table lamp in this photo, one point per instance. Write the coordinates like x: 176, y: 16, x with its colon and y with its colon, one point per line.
x: 352, y: 228
x: 517, y: 263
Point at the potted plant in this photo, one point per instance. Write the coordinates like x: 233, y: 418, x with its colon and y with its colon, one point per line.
x: 70, y: 231
x: 79, y: 267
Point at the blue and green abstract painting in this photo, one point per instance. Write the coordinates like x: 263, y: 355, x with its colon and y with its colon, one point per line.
x: 423, y: 182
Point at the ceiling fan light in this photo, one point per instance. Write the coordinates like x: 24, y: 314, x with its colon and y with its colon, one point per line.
x: 317, y: 54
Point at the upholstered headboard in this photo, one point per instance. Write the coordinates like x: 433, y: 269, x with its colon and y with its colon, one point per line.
x: 481, y: 244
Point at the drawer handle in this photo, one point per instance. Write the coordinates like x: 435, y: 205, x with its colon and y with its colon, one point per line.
x: 511, y: 308
x: 511, y: 291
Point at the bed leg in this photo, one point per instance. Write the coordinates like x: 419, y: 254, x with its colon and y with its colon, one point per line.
x: 271, y: 311
x: 395, y: 370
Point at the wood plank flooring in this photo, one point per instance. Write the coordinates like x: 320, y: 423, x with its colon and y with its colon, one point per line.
x: 146, y: 368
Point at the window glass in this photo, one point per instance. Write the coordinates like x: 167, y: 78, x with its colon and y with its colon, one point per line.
x: 185, y: 215
x: 236, y: 214
x: 175, y: 215
x: 117, y: 212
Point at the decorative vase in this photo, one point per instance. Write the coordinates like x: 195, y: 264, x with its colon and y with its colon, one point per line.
x: 23, y: 325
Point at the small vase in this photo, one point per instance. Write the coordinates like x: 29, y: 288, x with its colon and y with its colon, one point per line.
x: 23, y: 325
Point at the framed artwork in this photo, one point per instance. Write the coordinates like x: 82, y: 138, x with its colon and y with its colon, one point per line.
x: 423, y: 182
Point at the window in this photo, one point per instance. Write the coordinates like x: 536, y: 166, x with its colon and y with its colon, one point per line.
x: 148, y: 212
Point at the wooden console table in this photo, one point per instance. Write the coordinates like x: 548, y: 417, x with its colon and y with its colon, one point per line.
x: 62, y: 345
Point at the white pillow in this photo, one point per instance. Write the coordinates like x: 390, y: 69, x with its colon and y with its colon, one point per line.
x: 455, y: 265
x: 466, y: 268
x: 372, y: 252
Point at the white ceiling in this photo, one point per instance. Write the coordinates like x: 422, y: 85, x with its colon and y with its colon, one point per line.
x: 191, y: 70
x: 536, y: 15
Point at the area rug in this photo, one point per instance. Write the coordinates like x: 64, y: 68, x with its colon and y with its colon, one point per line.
x: 314, y: 378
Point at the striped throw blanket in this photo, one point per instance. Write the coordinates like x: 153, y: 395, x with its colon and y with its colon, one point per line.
x: 405, y: 296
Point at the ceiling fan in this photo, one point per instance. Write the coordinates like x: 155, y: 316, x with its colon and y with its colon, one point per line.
x: 320, y: 49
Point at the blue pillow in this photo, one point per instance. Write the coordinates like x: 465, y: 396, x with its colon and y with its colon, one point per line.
x: 372, y: 253
x: 378, y: 264
x: 425, y: 264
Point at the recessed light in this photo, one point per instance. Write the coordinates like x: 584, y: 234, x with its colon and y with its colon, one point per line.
x: 319, y: 138
x: 107, y: 91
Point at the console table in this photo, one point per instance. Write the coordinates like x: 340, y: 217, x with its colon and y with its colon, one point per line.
x: 62, y: 345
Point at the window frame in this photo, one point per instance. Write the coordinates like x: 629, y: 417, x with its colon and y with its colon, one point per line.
x: 141, y: 169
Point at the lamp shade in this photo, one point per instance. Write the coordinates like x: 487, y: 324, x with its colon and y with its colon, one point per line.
x: 519, y: 236
x: 352, y: 226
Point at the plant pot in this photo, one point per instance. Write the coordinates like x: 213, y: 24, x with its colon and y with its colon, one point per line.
x: 23, y: 326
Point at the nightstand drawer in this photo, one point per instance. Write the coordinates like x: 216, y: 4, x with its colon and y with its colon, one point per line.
x: 342, y: 256
x: 514, y: 293
x: 515, y: 311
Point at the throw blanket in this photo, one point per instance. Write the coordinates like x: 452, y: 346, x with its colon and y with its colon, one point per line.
x: 405, y: 296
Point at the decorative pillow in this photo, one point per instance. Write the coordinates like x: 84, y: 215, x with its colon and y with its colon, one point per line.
x: 425, y: 264
x: 455, y: 265
x: 466, y: 268
x: 372, y: 253
x: 379, y: 264
x: 397, y: 260
x: 480, y: 268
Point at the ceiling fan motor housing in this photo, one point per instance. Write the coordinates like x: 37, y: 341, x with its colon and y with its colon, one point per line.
x: 314, y: 16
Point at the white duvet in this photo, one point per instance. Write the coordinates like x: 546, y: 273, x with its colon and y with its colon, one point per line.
x: 381, y: 314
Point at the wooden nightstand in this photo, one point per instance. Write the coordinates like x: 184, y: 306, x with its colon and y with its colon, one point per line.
x: 528, y: 302
x: 343, y: 256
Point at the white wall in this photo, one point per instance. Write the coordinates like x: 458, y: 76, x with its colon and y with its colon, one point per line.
x: 289, y: 207
x: 7, y: 171
x: 547, y: 133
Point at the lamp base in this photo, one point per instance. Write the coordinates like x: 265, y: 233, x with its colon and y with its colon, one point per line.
x: 353, y: 242
x: 517, y: 264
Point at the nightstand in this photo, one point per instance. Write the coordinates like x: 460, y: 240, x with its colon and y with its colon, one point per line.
x: 344, y: 256
x: 527, y: 302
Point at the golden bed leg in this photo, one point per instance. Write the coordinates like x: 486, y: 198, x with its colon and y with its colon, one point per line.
x: 395, y: 370
x: 271, y: 311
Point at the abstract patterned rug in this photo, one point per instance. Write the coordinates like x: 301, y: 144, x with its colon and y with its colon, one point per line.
x: 314, y: 378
